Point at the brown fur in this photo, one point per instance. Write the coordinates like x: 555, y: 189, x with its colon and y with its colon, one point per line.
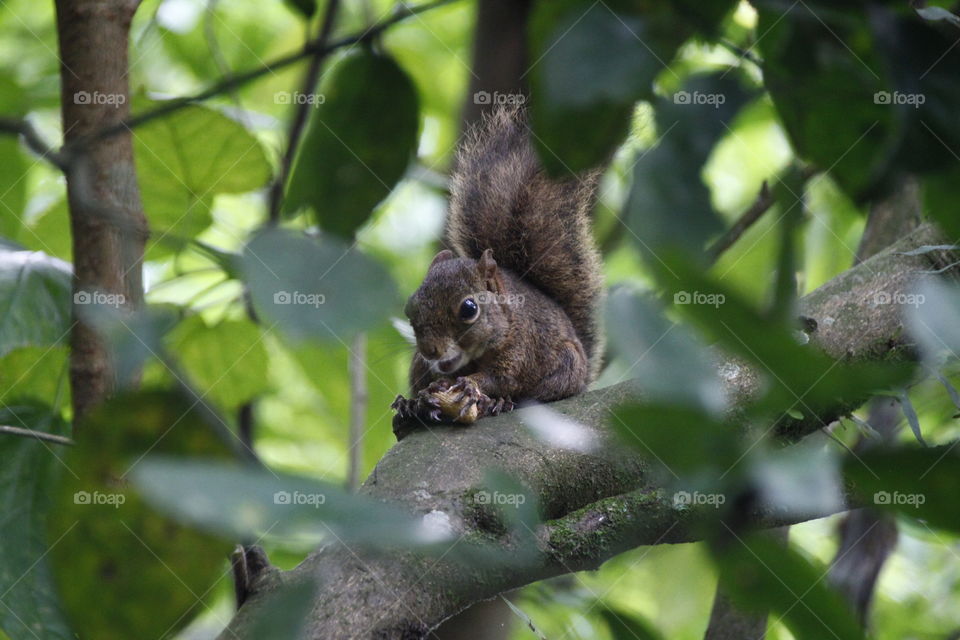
x: 537, y: 227
x: 525, y: 256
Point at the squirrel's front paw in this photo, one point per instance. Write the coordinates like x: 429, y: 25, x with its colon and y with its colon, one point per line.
x: 423, y: 406
x: 465, y: 403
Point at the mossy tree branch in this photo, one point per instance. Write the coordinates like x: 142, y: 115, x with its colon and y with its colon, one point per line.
x: 594, y: 505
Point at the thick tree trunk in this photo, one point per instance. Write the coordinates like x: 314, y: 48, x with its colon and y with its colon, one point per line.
x: 106, y: 217
x: 595, y: 505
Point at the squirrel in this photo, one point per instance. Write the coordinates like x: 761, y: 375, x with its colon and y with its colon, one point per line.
x: 510, y: 313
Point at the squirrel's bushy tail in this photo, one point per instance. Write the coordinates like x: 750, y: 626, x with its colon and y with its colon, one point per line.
x: 538, y: 227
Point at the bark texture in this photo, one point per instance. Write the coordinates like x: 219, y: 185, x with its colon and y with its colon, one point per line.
x: 594, y: 505
x: 106, y: 216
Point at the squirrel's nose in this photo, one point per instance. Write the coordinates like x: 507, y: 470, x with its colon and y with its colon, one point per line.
x: 430, y: 352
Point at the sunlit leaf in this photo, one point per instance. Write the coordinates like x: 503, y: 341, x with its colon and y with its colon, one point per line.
x: 226, y: 361
x: 186, y: 158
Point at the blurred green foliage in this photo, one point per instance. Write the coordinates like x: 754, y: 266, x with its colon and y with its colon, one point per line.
x: 800, y: 84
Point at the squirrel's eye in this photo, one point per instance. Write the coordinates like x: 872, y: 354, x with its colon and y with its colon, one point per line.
x: 469, y: 310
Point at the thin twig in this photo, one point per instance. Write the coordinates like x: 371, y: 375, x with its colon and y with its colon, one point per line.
x: 38, y: 435
x: 740, y: 52
x: 228, y: 83
x: 760, y: 206
x: 299, y: 121
x: 358, y: 407
x: 33, y: 140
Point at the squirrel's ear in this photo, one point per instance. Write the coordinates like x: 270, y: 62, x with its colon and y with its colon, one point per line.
x: 487, y: 267
x: 446, y: 254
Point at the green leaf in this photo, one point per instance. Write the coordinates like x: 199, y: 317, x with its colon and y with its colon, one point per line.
x: 227, y: 362
x: 939, y: 201
x: 932, y: 319
x: 284, y: 612
x: 187, y: 157
x: 705, y: 16
x: 878, y: 100
x: 14, y: 167
x: 50, y: 232
x: 667, y: 359
x: 798, y: 375
x: 13, y: 187
x: 826, y: 102
x: 306, y: 8
x: 34, y: 300
x: 239, y: 502
x: 114, y: 553
x: 320, y: 290
x: 30, y: 605
x: 132, y: 338
x: 919, y: 483
x: 36, y: 374
x: 628, y: 626
x: 682, y: 441
x: 669, y: 206
x: 358, y: 143
x: 936, y: 14
x: 592, y: 63
x: 764, y: 575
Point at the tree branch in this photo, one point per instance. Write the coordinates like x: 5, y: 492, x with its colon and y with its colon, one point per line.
x: 594, y: 505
